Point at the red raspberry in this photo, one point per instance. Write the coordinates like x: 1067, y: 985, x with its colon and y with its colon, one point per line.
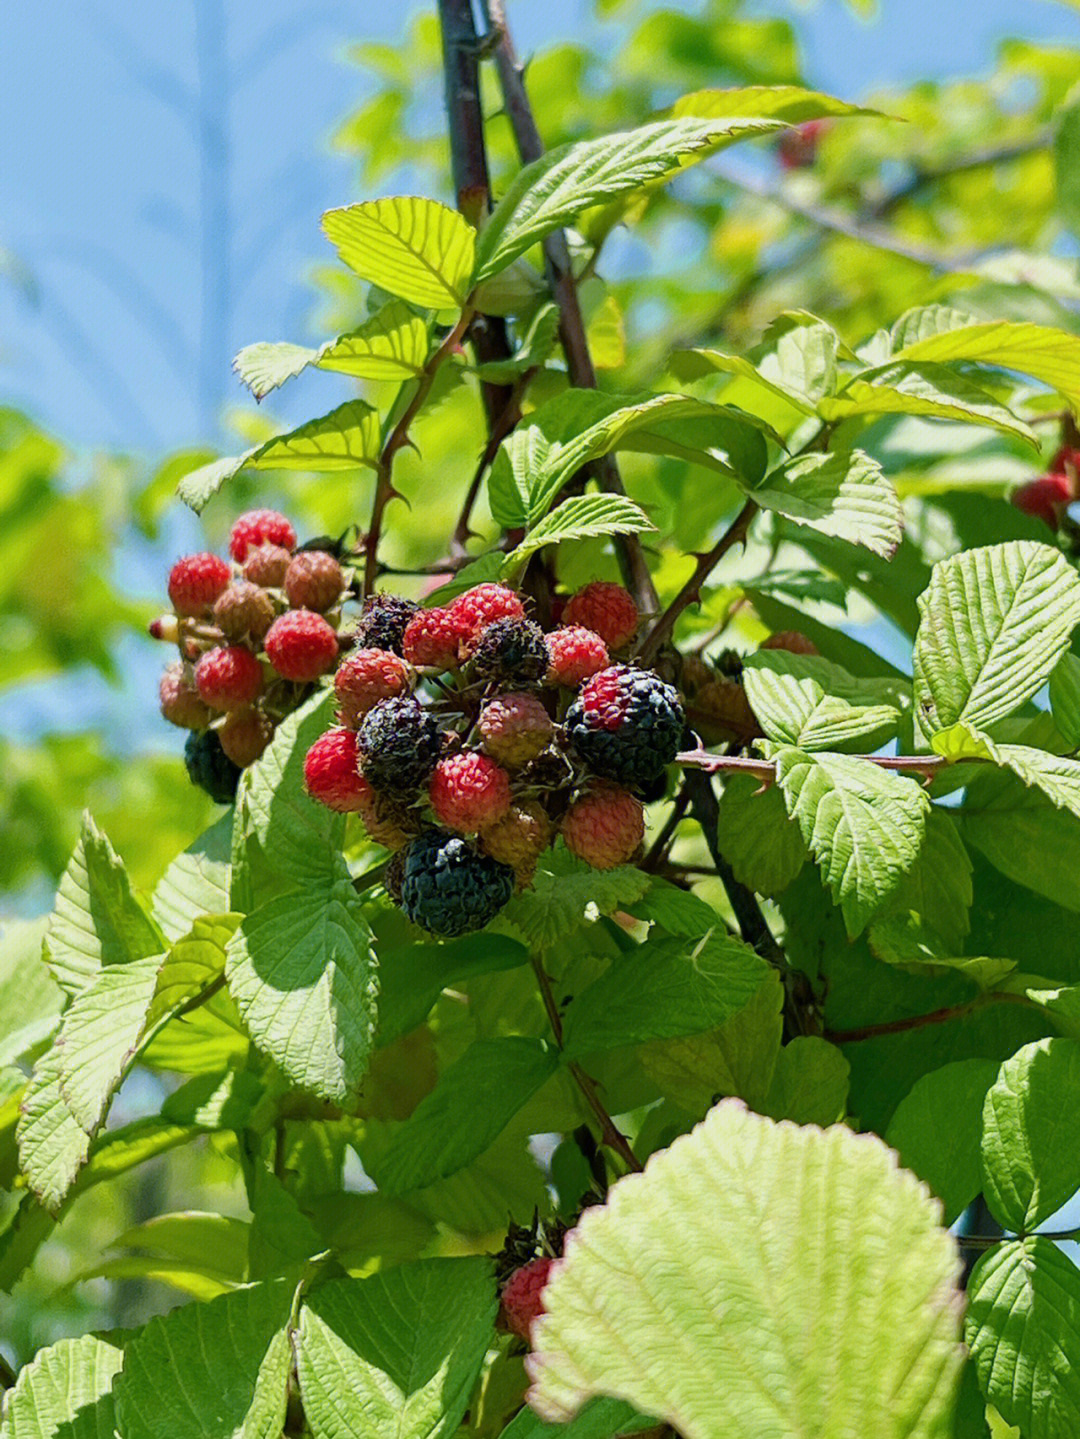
x: 195, y: 583
x: 257, y: 527
x: 792, y: 641
x: 244, y: 735
x: 229, y: 678
x: 332, y: 772
x: 519, y: 838
x: 267, y: 565
x: 433, y: 639
x: 301, y: 645
x: 515, y: 728
x: 314, y: 581
x: 468, y: 791
x: 243, y: 611
x: 1045, y: 498
x: 605, y: 608
x: 604, y: 827
x: 367, y: 677
x: 797, y: 147
x: 1067, y: 462
x: 480, y: 606
x: 522, y: 1300
x: 574, y: 655
x: 180, y: 700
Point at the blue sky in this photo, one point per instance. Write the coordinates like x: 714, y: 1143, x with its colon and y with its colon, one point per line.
x: 101, y: 189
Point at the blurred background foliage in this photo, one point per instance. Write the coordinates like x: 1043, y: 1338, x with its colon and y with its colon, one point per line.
x: 967, y: 195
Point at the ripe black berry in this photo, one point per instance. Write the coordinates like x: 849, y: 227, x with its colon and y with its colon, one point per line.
x: 510, y: 649
x: 382, y: 622
x: 449, y: 887
x: 399, y: 744
x: 626, y: 724
x: 210, y: 767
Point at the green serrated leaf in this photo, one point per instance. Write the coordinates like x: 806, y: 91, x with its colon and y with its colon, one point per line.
x: 99, y: 1035
x: 809, y: 1083
x: 1031, y: 1134
x: 490, y: 1083
x: 579, y: 518
x: 764, y: 847
x: 1024, y: 835
x: 701, y: 1289
x: 843, y: 495
x: 797, y: 711
x: 936, y: 1129
x: 414, y: 248
x: 412, y: 978
x: 1065, y: 698
x: 563, y: 892
x: 790, y: 103
x: 65, y: 1392
x: 30, y: 1000
x: 993, y: 624
x: 694, y: 364
x: 1049, y: 355
x: 391, y: 345
x: 863, y: 825
x: 1067, y: 163
x: 923, y: 388
x: 938, y: 885
x: 679, y: 911
x: 567, y: 180
x: 53, y: 1145
x: 396, y: 1355
x: 237, y: 1344
x: 1023, y: 1330
x: 196, y: 883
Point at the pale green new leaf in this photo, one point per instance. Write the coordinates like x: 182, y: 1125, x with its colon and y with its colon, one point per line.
x: 1065, y: 697
x: 927, y: 389
x: 302, y: 972
x: 417, y: 249
x: 391, y: 345
x: 491, y: 1081
x: 1023, y: 1330
x: 693, y: 364
x: 1031, y: 1134
x: 30, y: 1000
x: 193, y: 963
x: 1056, y: 776
x: 844, y: 495
x: 236, y: 1345
x: 863, y: 825
x: 1049, y: 355
x: 936, y: 1130
x: 764, y: 847
x: 993, y: 624
x: 567, y: 180
x: 65, y: 1392
x: 396, y: 1355
x: 53, y: 1145
x: 790, y: 103
x: 96, y: 920
x: 579, y: 518
x: 196, y: 883
x: 99, y: 1036
x: 797, y: 711
x: 680, y: 1305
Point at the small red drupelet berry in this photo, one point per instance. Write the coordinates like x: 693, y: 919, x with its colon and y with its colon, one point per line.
x: 332, y: 772
x: 243, y: 610
x: 515, y: 728
x: 367, y: 677
x: 195, y: 583
x: 468, y: 791
x: 259, y: 527
x: 604, y: 827
x: 244, y: 735
x: 522, y: 1300
x: 482, y: 605
x: 432, y: 639
x: 575, y: 654
x: 181, y: 703
x: 1045, y: 498
x: 228, y: 678
x: 605, y: 608
x: 301, y: 646
x: 267, y: 565
x: 313, y: 581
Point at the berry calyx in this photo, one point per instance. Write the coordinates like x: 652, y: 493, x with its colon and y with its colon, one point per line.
x: 432, y: 639
x: 244, y: 735
x: 604, y: 826
x: 399, y: 745
x: 509, y: 649
x: 313, y: 581
x: 626, y: 724
x: 515, y: 728
x: 209, y: 767
x: 522, y: 1299
x: 468, y: 791
x: 243, y: 611
x: 195, y: 583
x: 181, y: 703
x: 267, y: 565
x: 259, y: 527
x: 365, y: 678
x: 228, y: 678
x: 332, y: 772
x: 382, y: 622
x: 448, y: 887
x: 483, y: 605
x: 605, y: 608
x: 301, y: 646
x: 574, y: 655
x: 1045, y: 498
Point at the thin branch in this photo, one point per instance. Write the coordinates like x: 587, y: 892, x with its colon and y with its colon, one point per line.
x: 397, y: 439
x: 923, y: 177
x: 923, y: 1021
x: 655, y: 857
x: 610, y: 1134
x: 501, y: 426
x: 927, y: 765
x: 572, y: 334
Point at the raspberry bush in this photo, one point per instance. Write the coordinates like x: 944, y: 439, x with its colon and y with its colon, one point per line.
x: 631, y: 983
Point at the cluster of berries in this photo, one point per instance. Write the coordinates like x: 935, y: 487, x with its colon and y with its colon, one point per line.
x: 1050, y: 495
x: 253, y: 636
x: 468, y: 738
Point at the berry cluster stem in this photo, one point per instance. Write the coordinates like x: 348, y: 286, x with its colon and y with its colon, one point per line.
x: 610, y: 1133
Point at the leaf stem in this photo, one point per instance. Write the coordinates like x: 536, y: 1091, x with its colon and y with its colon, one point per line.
x: 987, y: 1241
x: 610, y: 1133
x: 927, y: 765
x: 923, y: 1021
